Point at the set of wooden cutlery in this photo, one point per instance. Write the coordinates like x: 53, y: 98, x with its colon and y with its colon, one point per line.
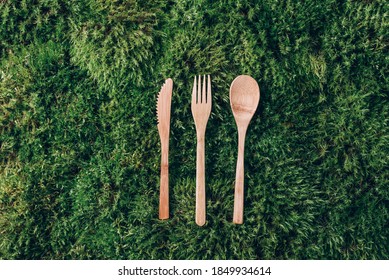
x: 244, y: 99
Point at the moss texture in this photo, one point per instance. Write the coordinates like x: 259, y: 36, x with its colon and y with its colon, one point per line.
x: 79, y: 145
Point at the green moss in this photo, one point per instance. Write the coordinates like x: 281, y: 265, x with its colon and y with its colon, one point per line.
x: 115, y: 41
x: 79, y: 147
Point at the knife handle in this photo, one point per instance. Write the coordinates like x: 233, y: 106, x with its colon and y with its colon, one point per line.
x: 164, y: 184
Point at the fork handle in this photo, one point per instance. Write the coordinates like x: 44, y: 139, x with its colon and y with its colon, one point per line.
x: 239, y: 179
x: 164, y: 184
x: 200, y: 180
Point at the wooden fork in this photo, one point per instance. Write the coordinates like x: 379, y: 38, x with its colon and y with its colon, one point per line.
x: 201, y: 109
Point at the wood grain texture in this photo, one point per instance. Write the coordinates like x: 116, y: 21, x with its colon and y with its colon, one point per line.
x: 244, y: 99
x: 201, y: 109
x: 163, y: 114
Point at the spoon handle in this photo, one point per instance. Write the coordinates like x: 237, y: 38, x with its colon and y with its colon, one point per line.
x: 200, y: 181
x: 239, y: 179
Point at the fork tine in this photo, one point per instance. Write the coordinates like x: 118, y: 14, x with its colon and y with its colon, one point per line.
x: 203, y: 92
x: 209, y: 94
x: 194, y: 95
x: 199, y: 90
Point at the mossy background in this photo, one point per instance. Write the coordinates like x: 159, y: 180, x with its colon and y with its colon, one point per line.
x: 79, y: 145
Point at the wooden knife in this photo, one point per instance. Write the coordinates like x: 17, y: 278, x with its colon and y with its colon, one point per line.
x: 163, y: 114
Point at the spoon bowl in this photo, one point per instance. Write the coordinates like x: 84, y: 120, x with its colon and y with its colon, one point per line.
x: 244, y: 99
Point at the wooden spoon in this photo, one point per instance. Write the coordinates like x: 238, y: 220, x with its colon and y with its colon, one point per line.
x: 244, y: 99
